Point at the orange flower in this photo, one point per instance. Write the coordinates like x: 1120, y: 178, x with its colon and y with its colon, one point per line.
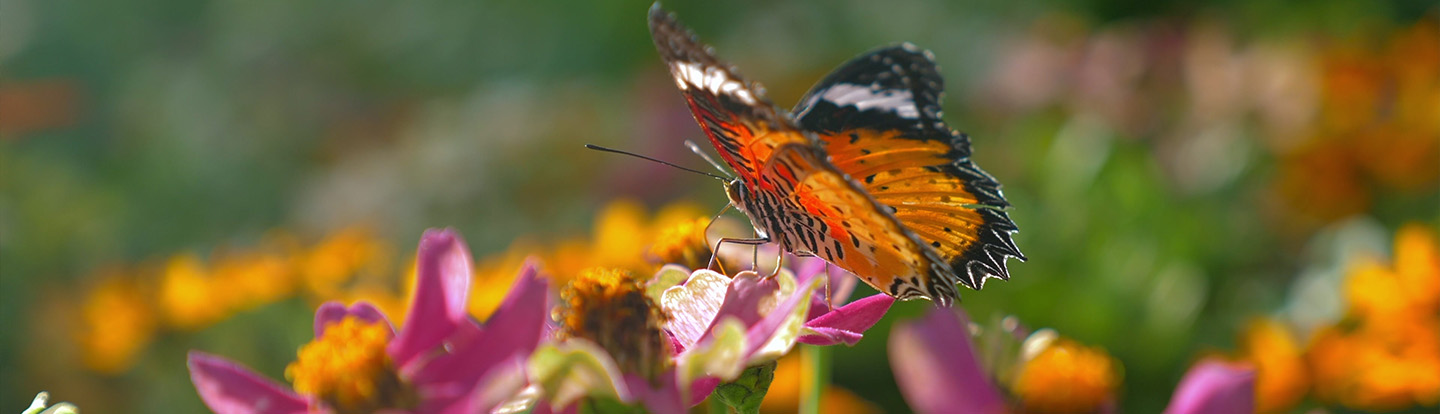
x: 1281, y: 376
x: 1067, y: 377
x: 1386, y: 354
x: 117, y: 322
x: 188, y: 298
x: 337, y: 259
x: 1417, y: 265
x: 1378, y: 369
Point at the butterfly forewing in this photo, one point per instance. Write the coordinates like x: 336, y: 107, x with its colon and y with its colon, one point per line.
x: 742, y: 124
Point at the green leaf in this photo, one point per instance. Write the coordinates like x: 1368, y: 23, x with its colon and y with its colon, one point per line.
x: 606, y: 405
x: 745, y: 393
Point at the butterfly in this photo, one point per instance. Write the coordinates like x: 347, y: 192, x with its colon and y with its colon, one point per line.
x: 863, y: 173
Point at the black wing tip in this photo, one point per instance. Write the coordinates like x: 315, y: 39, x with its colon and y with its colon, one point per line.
x: 673, y: 40
x: 989, y: 256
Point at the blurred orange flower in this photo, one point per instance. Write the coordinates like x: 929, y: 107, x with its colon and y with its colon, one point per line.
x: 1065, y: 376
x: 1281, y: 375
x: 117, y: 322
x: 623, y: 237
x: 188, y: 299
x: 1386, y: 354
x: 1378, y: 127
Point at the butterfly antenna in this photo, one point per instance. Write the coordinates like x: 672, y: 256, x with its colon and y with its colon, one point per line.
x: 600, y: 148
x: 696, y: 149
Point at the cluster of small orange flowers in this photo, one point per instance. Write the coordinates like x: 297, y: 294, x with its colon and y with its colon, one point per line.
x: 126, y: 308
x: 1384, y: 355
x: 1376, y: 126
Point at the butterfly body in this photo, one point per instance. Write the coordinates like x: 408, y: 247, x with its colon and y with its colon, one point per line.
x: 863, y: 173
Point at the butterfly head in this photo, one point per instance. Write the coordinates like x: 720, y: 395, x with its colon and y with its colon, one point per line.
x: 737, y: 193
x: 744, y: 199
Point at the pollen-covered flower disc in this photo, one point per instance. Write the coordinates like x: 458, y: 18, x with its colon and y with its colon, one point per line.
x: 863, y: 173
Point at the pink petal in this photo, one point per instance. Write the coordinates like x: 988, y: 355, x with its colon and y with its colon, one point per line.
x: 847, y: 324
x: 743, y: 298
x: 760, y: 333
x: 442, y: 270
x: 1215, y: 387
x: 228, y: 388
x: 935, y: 365
x: 692, y: 306
x: 665, y: 398
x: 831, y: 336
x: 858, y: 316
x: 515, y: 328
x: 498, y: 385
x: 334, y: 312
x: 701, y: 389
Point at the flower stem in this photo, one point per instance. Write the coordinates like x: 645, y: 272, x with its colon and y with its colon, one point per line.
x: 817, y: 377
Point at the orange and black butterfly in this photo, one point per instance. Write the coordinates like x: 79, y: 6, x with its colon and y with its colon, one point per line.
x: 862, y: 173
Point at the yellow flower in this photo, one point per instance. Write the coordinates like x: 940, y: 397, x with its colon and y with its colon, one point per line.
x: 337, y: 259
x: 1417, y: 265
x: 1411, y: 287
x: 621, y: 239
x: 1281, y: 376
x: 251, y: 279
x: 1064, y: 376
x: 623, y: 236
x: 609, y: 307
x: 188, y: 298
x: 116, y: 323
x: 683, y: 243
x: 348, y: 368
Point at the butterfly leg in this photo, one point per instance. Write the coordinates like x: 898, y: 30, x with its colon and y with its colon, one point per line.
x: 715, y: 256
x: 755, y: 253
x: 829, y: 301
x: 778, y: 258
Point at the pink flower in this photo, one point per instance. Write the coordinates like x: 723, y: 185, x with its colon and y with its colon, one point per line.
x: 936, y: 366
x: 828, y: 324
x: 441, y: 362
x: 715, y: 327
x: 938, y: 370
x: 1215, y: 387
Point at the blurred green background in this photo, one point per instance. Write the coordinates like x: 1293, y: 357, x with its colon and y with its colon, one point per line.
x: 1171, y: 163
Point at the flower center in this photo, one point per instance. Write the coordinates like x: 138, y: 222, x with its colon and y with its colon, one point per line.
x: 348, y: 368
x: 609, y: 307
x: 1066, y: 377
x: 683, y: 243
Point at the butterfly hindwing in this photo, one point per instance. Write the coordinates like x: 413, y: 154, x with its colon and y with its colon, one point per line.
x: 879, y: 117
x: 826, y: 213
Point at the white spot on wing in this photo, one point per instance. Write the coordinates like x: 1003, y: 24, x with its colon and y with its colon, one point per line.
x: 899, y: 101
x: 714, y: 79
